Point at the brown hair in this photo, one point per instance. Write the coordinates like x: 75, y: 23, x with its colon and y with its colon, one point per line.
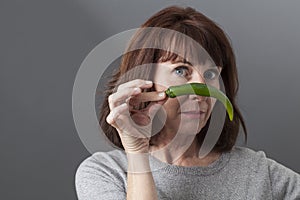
x: 206, y: 33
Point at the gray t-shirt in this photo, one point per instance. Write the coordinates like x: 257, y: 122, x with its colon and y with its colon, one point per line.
x: 239, y: 174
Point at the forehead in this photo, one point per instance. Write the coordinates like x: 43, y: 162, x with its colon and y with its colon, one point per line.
x: 175, y: 59
x: 192, y: 45
x: 189, y: 52
x: 208, y: 62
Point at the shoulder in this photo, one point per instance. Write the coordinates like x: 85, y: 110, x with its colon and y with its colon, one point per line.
x: 103, y: 167
x: 247, y: 152
x: 246, y: 157
x: 284, y: 183
x: 112, y: 161
x: 102, y: 175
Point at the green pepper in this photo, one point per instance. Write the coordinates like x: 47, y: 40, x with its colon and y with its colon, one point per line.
x: 201, y: 89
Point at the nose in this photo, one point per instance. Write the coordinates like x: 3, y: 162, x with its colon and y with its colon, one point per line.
x: 197, y: 78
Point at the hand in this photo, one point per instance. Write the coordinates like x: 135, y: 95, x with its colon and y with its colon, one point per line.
x: 133, y: 125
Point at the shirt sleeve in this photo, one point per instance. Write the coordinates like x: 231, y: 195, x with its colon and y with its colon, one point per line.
x: 285, y: 183
x: 96, y: 180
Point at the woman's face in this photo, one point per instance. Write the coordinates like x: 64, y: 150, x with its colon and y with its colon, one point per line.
x: 188, y: 112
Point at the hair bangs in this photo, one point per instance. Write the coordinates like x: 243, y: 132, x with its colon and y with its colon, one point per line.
x: 177, y: 46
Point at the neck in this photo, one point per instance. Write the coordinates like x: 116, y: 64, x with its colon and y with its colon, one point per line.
x: 190, y: 156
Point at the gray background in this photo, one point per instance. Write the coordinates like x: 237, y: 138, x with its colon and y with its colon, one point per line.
x: 43, y: 43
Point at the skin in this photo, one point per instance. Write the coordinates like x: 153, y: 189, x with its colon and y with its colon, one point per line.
x: 183, y: 110
x: 134, y: 134
x: 134, y: 126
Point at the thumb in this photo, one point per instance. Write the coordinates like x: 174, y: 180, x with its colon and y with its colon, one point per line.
x: 154, y: 107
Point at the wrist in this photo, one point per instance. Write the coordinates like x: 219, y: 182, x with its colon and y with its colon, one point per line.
x: 138, y: 162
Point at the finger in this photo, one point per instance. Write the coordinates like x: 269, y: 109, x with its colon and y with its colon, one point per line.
x: 121, y: 120
x: 140, y: 119
x: 154, y: 108
x: 114, y: 116
x: 136, y: 83
x: 151, y: 109
x: 146, y: 97
x: 120, y: 97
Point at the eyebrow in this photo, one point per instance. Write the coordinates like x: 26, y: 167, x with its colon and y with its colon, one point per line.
x: 187, y: 62
x: 182, y: 61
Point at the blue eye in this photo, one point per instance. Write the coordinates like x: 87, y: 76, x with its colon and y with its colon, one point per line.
x: 181, y: 71
x: 211, y: 74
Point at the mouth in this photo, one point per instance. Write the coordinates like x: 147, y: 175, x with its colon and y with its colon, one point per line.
x: 193, y: 114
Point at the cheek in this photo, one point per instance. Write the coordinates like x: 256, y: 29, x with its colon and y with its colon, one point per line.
x: 159, y: 87
x: 215, y: 84
x: 211, y: 103
x: 164, y: 80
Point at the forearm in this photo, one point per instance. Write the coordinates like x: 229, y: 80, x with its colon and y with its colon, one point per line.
x: 139, y: 178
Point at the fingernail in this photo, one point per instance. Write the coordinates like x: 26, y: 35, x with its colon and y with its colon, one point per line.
x: 161, y: 94
x: 109, y: 119
x: 148, y: 82
x: 136, y: 90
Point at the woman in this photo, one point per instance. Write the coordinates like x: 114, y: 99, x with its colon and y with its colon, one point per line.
x: 162, y: 137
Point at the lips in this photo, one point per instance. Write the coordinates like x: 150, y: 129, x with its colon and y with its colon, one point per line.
x: 193, y: 114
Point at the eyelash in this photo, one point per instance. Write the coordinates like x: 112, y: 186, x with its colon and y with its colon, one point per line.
x: 216, y: 74
x: 188, y: 72
x: 185, y: 68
